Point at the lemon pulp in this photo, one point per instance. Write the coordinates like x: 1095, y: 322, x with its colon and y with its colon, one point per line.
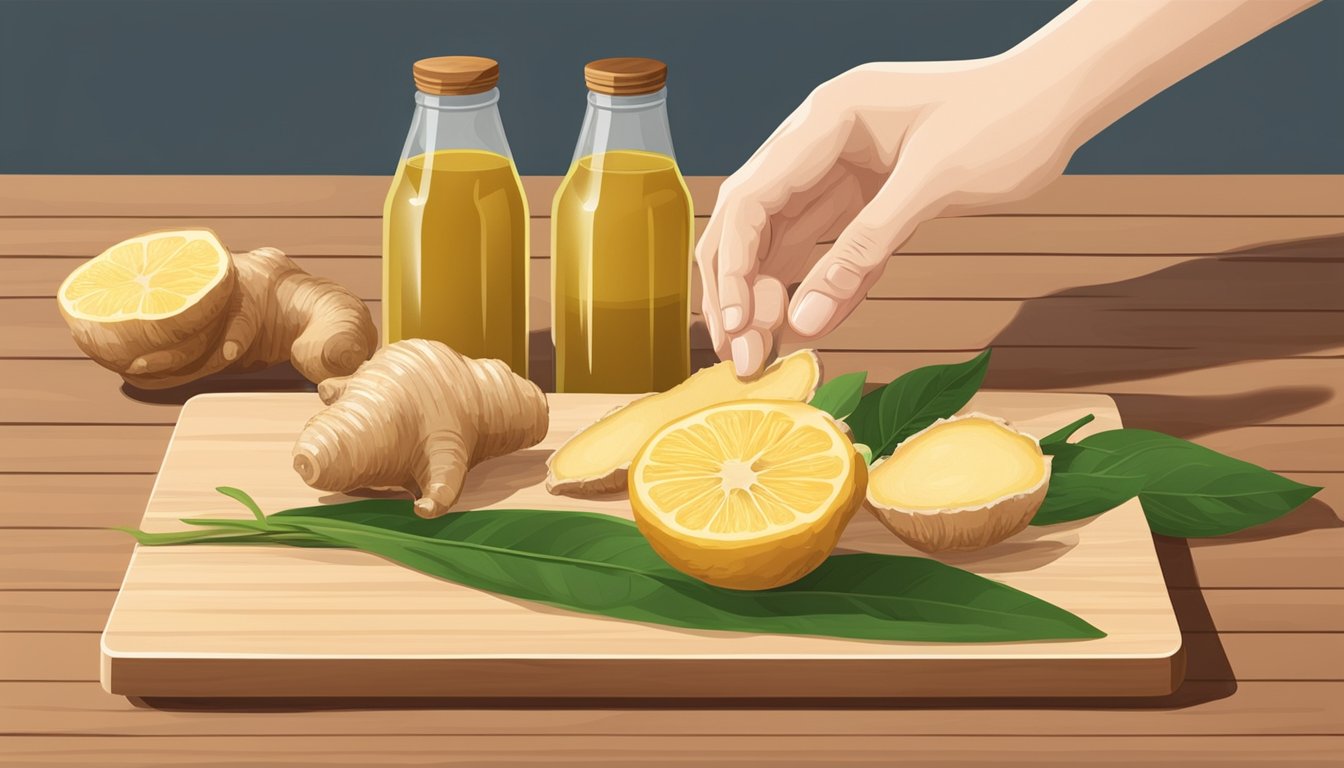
x: 750, y: 494
x: 152, y: 276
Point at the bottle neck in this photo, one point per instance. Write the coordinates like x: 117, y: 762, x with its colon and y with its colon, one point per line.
x: 625, y: 122
x: 456, y: 122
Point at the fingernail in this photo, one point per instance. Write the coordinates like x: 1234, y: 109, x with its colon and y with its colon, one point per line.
x: 741, y: 355
x: 812, y: 313
x: 733, y: 318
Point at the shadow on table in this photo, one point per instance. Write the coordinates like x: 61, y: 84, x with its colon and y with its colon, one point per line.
x: 1314, y: 515
x: 283, y: 377
x: 1190, y: 694
x: 1271, y: 301
x: 279, y: 378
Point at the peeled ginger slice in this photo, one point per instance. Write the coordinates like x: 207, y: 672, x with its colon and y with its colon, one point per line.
x: 595, y: 460
x: 961, y: 484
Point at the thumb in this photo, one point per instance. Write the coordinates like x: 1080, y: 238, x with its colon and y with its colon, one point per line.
x: 842, y: 277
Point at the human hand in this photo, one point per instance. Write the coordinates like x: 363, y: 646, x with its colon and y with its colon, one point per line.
x: 867, y: 157
x: 876, y: 151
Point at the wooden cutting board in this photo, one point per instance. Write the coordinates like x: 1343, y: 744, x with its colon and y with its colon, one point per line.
x: 273, y: 621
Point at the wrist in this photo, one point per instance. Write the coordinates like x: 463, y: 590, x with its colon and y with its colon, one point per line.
x: 1063, y: 84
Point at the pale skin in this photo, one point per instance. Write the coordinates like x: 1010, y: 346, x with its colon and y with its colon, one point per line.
x: 884, y: 147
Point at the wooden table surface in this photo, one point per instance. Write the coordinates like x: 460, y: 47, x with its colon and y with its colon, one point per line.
x: 1209, y: 307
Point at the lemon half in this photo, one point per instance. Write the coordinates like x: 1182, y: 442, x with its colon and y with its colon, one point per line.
x: 149, y: 277
x: 752, y: 494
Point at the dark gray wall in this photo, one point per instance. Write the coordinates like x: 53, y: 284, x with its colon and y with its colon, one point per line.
x: 242, y: 86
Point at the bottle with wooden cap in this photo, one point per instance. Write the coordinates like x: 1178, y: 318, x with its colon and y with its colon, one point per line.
x: 622, y: 231
x: 455, y: 223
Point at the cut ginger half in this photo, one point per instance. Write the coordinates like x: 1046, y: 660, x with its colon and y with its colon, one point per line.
x: 747, y: 495
x: 962, y: 483
x: 149, y: 277
x: 595, y: 459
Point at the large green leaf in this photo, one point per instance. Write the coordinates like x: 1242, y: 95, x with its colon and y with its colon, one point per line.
x: 602, y: 565
x: 1186, y: 489
x: 886, y: 416
x: 1077, y: 495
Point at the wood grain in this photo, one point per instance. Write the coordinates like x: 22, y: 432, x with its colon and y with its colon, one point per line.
x: 1184, y: 402
x: 72, y: 500
x: 83, y: 611
x: 1179, y: 337
x: 1198, y: 708
x: 184, y: 196
x: 1281, y: 578
x: 214, y: 630
x: 662, y: 751
x: 1198, y: 611
x: 73, y: 656
x: 1135, y: 282
x: 1121, y: 235
x: 1300, y: 551
x: 138, y: 448
x: 39, y: 559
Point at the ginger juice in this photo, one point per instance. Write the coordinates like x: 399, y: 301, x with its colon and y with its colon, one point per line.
x: 455, y: 223
x: 622, y: 232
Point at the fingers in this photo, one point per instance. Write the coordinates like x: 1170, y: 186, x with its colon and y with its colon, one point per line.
x: 754, y: 347
x: 842, y: 277
x: 788, y: 168
x: 705, y: 260
x: 740, y: 247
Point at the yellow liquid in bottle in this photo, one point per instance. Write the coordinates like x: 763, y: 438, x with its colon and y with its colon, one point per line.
x: 622, y: 228
x: 455, y: 255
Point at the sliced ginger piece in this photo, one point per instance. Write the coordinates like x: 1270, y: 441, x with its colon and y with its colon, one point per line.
x: 751, y: 494
x: 595, y: 459
x: 962, y: 483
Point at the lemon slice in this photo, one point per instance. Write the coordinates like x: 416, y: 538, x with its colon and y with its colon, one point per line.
x: 149, y: 277
x: 747, y: 495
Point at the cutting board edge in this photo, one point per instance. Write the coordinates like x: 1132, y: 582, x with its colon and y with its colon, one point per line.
x: 660, y: 679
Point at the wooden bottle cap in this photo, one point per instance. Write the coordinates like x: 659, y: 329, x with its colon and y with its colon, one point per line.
x: 625, y: 76
x: 455, y: 75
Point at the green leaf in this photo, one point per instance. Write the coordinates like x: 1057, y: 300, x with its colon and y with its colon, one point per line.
x: 245, y: 500
x: 840, y: 395
x: 1188, y: 490
x: 886, y: 416
x: 1077, y: 495
x: 1061, y: 435
x: 598, y: 564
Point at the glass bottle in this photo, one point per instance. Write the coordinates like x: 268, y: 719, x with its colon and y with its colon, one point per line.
x: 455, y: 224
x: 622, y: 228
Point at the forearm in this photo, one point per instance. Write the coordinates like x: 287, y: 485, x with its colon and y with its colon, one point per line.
x: 1099, y: 59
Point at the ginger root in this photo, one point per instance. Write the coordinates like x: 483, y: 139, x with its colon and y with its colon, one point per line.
x: 962, y: 483
x: 596, y: 459
x: 418, y: 415
x: 262, y: 310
